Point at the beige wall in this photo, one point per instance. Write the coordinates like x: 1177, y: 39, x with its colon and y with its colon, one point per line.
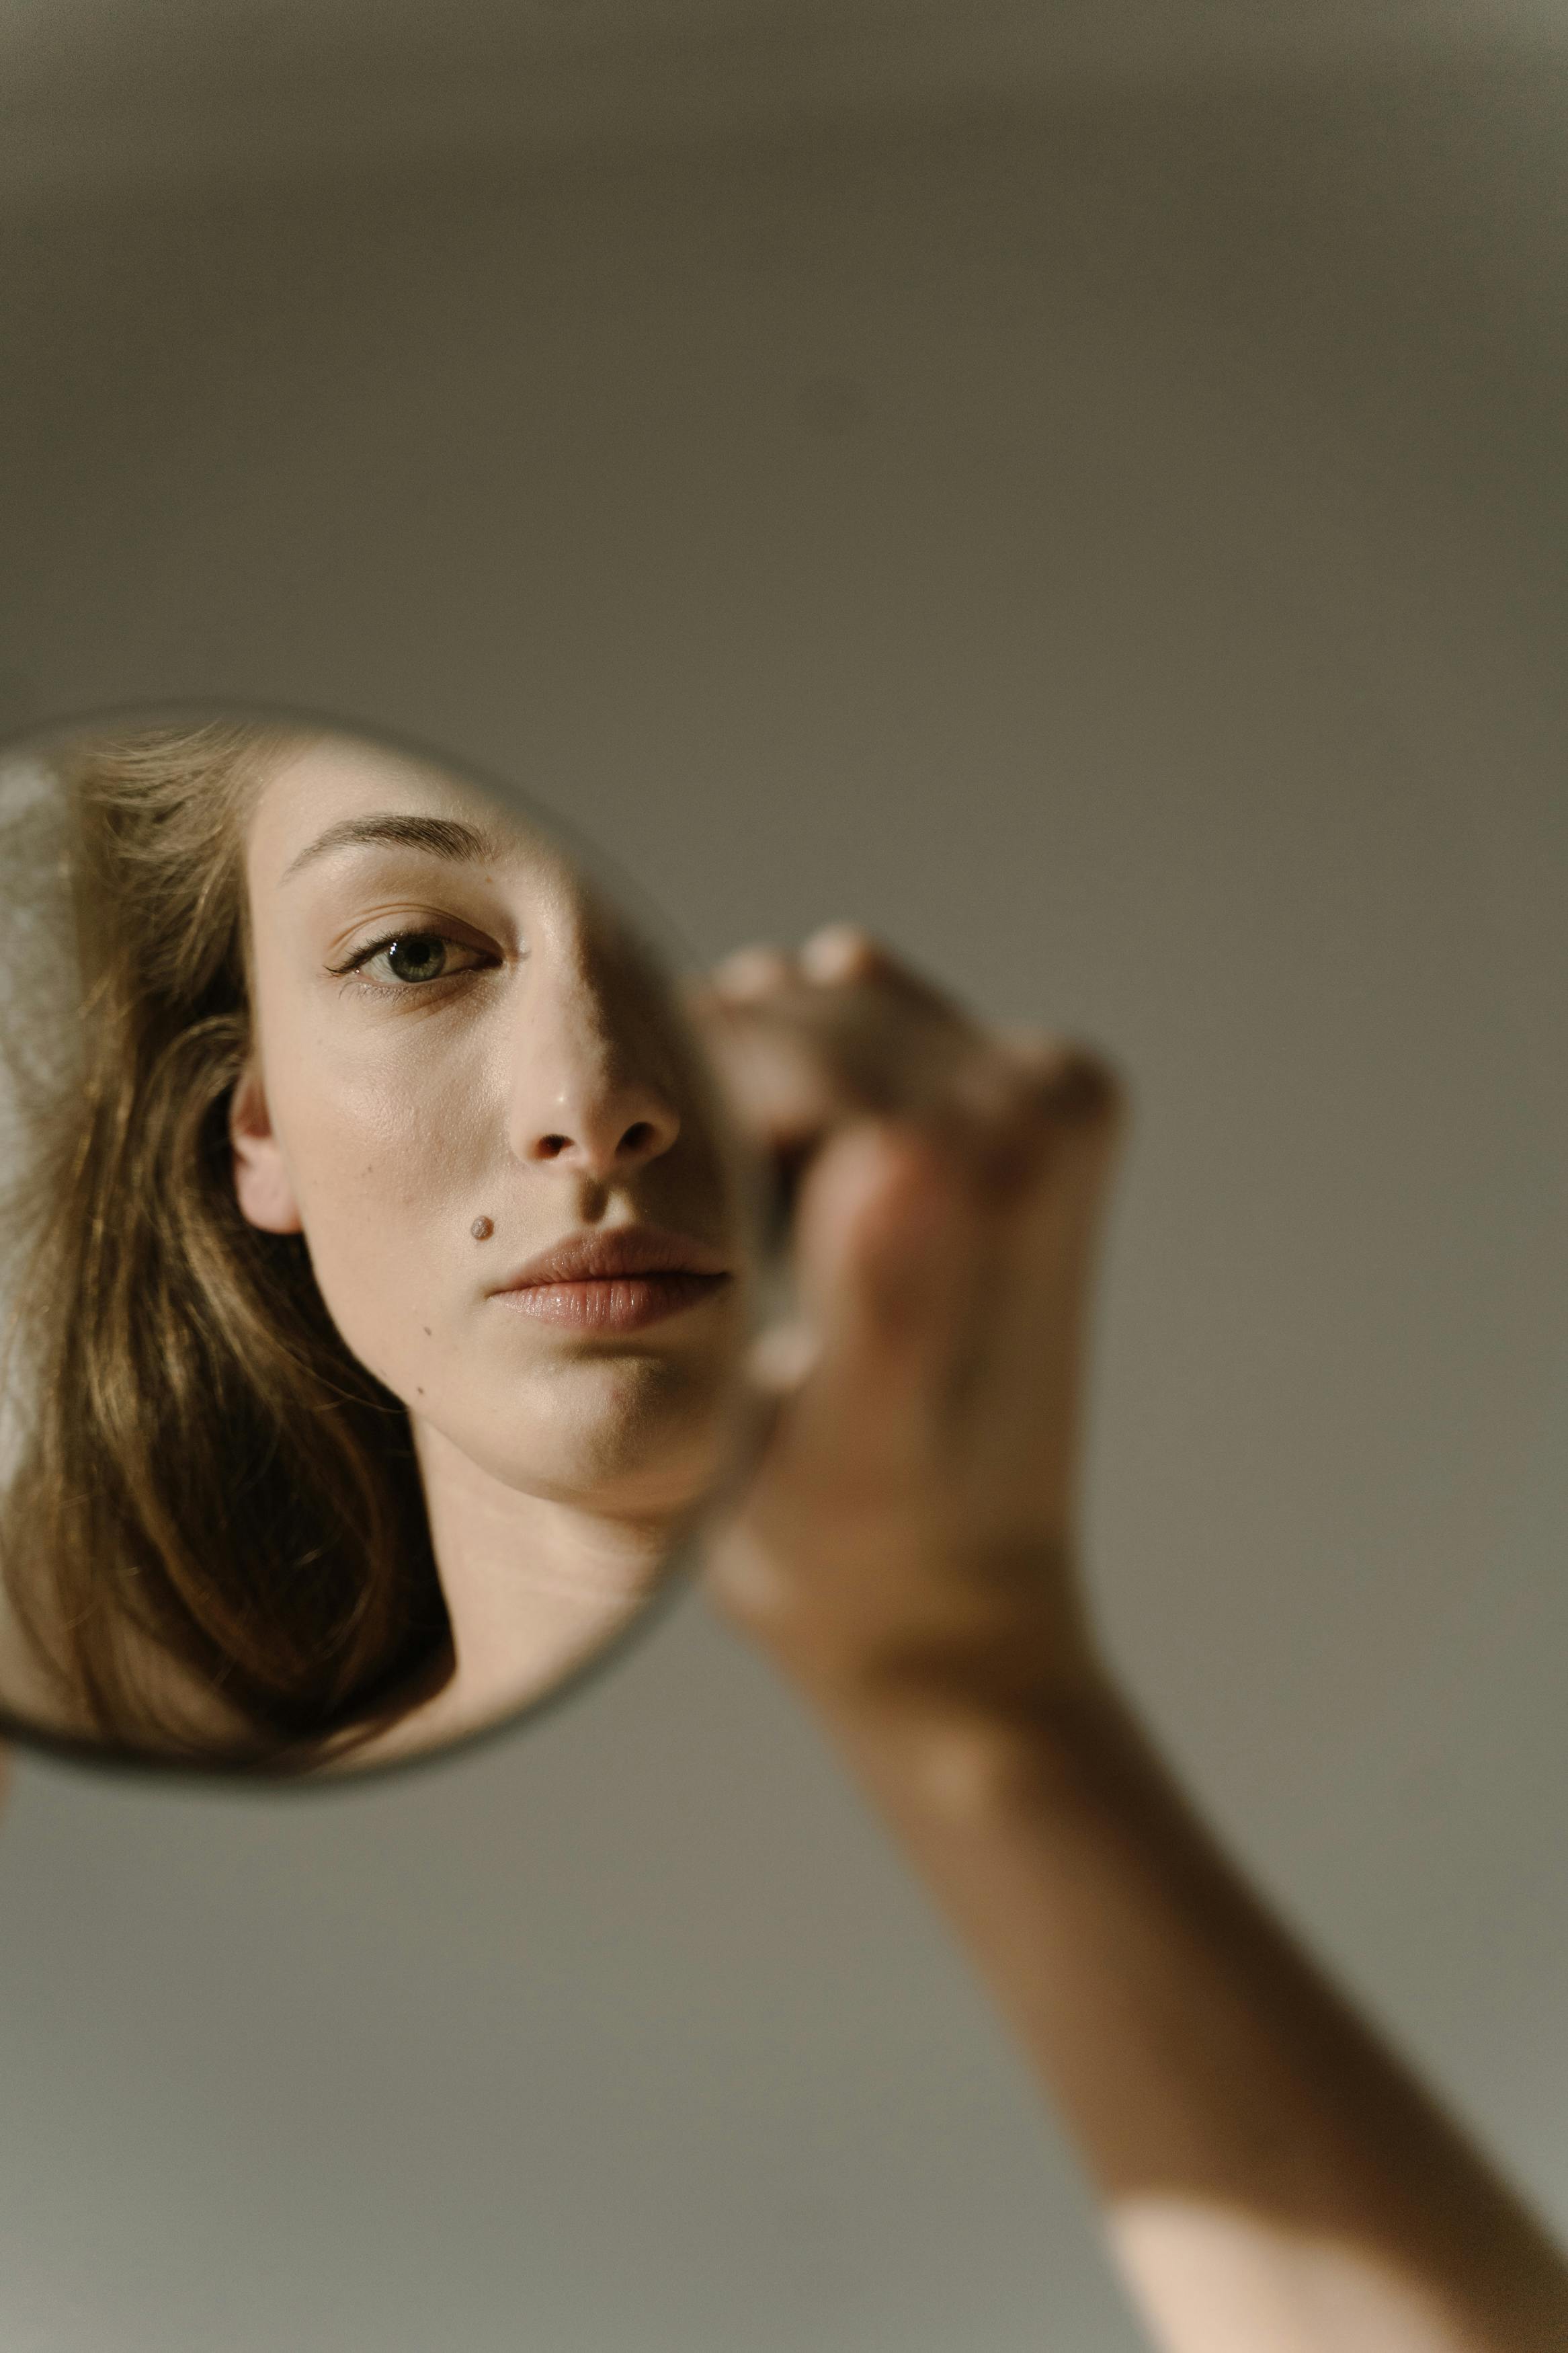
x: 1119, y: 552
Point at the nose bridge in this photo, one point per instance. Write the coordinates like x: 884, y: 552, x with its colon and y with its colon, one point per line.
x: 586, y: 1092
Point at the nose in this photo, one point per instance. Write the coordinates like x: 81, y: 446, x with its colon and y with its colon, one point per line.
x: 585, y: 1098
x: 603, y: 1132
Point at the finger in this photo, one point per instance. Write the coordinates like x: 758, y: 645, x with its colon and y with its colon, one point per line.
x: 885, y: 1252
x: 1058, y: 1104
x: 840, y: 1432
x: 840, y: 955
x: 805, y: 1060
x: 780, y: 1359
x: 783, y: 1087
x: 847, y: 1050
x: 1063, y: 1073
x: 751, y: 973
x: 846, y: 955
x: 1049, y: 1216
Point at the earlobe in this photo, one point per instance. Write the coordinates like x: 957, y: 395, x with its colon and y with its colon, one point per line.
x: 262, y: 1186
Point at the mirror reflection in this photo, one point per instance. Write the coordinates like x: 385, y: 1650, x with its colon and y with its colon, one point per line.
x: 374, y: 1255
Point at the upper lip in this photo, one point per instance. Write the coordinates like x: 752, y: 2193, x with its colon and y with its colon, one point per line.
x: 616, y: 1250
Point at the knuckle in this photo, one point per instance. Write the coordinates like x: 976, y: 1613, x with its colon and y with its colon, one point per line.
x: 1079, y: 1086
x: 1092, y: 1089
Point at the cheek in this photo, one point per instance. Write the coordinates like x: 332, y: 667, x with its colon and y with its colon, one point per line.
x: 385, y: 1173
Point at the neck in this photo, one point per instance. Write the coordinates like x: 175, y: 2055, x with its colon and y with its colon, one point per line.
x: 534, y: 1586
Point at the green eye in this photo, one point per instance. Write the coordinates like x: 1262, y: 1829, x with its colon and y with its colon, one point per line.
x: 419, y: 956
x: 402, y: 960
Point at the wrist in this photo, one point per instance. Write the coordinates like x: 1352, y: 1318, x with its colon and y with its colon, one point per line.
x: 963, y: 1740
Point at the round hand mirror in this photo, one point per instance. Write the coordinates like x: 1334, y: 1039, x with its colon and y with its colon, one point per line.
x: 376, y: 1263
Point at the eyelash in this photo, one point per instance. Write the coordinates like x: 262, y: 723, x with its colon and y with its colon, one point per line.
x: 349, y: 970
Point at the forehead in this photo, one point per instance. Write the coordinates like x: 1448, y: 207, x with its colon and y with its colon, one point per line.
x: 306, y: 810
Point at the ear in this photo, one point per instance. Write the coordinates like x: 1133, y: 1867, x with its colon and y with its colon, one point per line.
x: 262, y: 1185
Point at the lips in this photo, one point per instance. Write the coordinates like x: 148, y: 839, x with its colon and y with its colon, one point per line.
x: 616, y: 1280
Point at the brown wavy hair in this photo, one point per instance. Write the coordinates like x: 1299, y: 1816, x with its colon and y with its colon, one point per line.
x: 211, y: 1510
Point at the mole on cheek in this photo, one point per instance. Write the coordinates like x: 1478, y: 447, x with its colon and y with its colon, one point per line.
x: 482, y: 1229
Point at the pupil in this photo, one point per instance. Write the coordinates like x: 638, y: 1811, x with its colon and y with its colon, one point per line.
x: 418, y: 958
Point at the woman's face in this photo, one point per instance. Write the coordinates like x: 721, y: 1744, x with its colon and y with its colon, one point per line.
x: 464, y: 1064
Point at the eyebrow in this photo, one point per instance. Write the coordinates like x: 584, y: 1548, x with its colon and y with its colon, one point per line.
x: 438, y: 836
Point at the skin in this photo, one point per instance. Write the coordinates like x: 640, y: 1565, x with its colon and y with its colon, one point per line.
x: 907, y: 1550
x: 515, y: 1066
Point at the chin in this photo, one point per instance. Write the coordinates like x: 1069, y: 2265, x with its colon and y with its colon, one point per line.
x: 621, y: 1435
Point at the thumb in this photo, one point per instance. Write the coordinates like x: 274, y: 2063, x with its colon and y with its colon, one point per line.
x: 882, y: 1236
x: 886, y: 1239
x: 808, y: 1379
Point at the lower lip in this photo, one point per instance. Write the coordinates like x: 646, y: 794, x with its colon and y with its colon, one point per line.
x: 622, y: 1303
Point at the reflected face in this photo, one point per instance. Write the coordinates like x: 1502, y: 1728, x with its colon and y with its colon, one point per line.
x: 471, y: 1093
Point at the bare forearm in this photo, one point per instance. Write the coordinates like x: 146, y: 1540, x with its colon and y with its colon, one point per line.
x: 1273, y: 2176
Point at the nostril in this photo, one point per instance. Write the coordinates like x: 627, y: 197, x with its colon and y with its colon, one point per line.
x: 605, y: 1138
